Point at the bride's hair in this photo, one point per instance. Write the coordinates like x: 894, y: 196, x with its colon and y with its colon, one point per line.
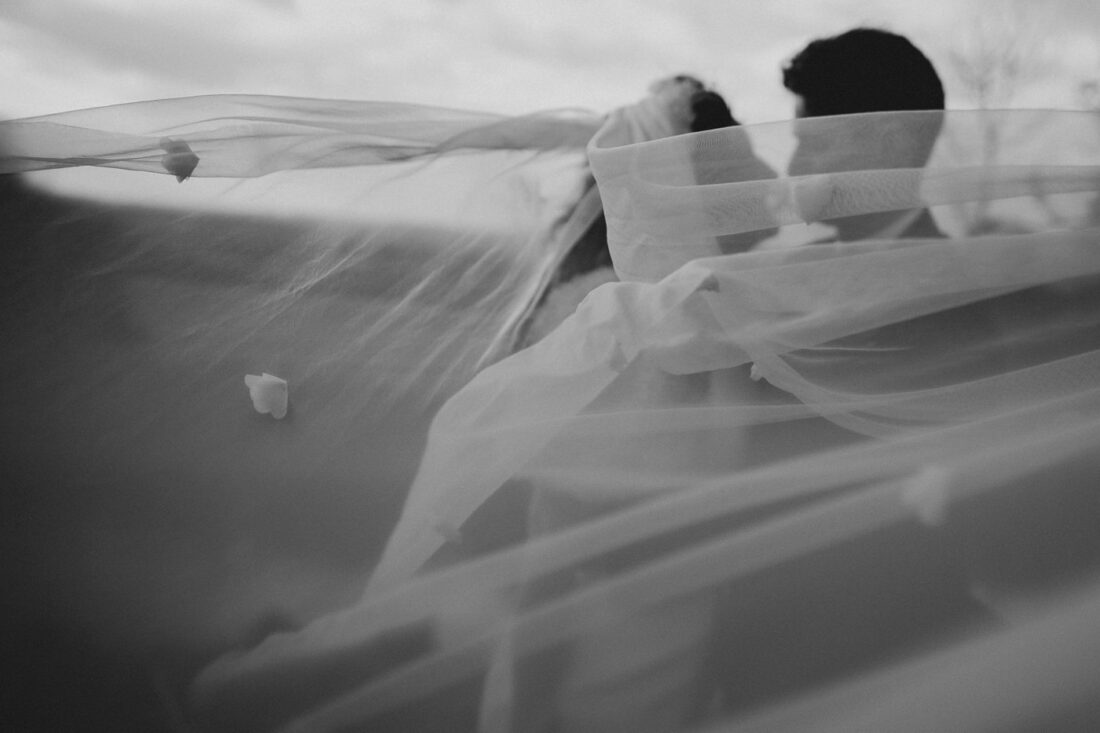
x: 706, y: 110
x: 863, y: 70
x: 710, y: 111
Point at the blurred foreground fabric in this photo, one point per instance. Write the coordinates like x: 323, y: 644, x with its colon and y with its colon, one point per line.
x: 762, y: 479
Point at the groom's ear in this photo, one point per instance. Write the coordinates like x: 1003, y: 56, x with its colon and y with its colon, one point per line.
x: 710, y: 111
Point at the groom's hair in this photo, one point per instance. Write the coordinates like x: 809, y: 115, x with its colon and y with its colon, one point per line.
x: 863, y: 70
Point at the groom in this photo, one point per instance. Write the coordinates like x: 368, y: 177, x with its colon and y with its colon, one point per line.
x: 847, y: 609
x: 866, y: 70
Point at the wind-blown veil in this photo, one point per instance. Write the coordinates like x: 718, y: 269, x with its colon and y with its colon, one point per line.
x: 763, y: 478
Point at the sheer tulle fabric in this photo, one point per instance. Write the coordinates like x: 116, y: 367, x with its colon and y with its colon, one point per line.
x: 764, y: 478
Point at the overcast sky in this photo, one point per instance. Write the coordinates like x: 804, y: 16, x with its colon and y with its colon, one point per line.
x: 497, y: 55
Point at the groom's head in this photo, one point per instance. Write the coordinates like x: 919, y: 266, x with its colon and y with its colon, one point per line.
x: 862, y: 70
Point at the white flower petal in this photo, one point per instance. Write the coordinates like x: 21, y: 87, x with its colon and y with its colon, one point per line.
x: 269, y: 394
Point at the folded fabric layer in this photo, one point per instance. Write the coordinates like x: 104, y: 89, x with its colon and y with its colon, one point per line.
x: 762, y: 473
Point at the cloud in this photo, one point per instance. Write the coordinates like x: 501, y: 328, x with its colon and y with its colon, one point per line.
x: 203, y: 45
x: 286, y: 5
x: 504, y: 55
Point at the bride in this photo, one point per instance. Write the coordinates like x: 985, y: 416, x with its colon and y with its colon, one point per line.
x: 730, y: 482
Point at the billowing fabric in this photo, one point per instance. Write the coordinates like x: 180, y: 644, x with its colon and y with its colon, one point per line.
x: 823, y: 454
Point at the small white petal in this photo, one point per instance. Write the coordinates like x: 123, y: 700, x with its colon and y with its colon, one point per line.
x: 178, y: 158
x: 927, y: 494
x: 269, y: 394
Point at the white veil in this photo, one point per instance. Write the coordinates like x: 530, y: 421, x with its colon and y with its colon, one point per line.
x: 738, y: 488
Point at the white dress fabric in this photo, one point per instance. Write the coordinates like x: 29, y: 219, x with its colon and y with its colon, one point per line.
x: 753, y: 483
